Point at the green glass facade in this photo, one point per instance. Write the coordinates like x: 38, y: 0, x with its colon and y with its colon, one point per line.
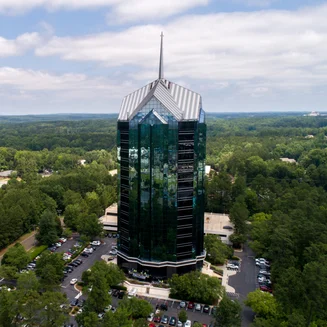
x: 161, y: 190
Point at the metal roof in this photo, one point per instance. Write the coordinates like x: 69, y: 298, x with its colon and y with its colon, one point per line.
x: 183, y: 103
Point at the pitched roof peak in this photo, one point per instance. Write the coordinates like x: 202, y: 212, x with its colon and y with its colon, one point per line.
x: 161, y: 75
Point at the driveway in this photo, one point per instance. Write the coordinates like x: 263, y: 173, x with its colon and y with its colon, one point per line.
x: 244, y: 282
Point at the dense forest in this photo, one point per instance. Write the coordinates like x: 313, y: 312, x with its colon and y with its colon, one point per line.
x: 278, y: 207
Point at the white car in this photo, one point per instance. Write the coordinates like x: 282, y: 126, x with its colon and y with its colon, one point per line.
x: 150, y: 316
x: 179, y: 324
x: 113, y: 252
x: 261, y: 279
x: 187, y: 323
x: 231, y: 266
x: 63, y: 240
x: 108, y: 308
x: 88, y: 250
x: 73, y: 281
x: 198, y: 307
x: 182, y: 304
x: 96, y: 243
x: 58, y: 244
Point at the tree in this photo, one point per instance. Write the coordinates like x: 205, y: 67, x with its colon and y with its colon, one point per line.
x: 98, y: 298
x: 195, y: 287
x: 88, y: 319
x: 217, y: 251
x: 262, y: 303
x: 48, y: 232
x: 49, y: 268
x: 228, y: 313
x: 182, y: 316
x: 27, y: 283
x: 137, y: 308
x: 141, y: 322
x: 52, y: 313
x: 8, y: 308
x: 16, y: 257
x: 197, y: 324
x: 89, y: 225
x: 118, y: 319
x: 239, y: 215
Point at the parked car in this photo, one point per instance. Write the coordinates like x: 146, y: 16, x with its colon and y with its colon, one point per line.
x: 182, y: 304
x: 62, y: 240
x: 198, y: 307
x: 150, y: 317
x: 58, y: 244
x: 190, y: 305
x: 121, y: 294
x: 265, y: 289
x: 73, y: 281
x: 156, y: 319
x: 113, y: 252
x: 108, y: 308
x: 231, y: 266
x: 179, y: 323
x: 84, y: 254
x: 96, y: 243
x: 206, y: 308
x: 74, y: 302
x: 172, y: 321
x: 164, y: 319
x: 163, y: 307
x: 187, y: 323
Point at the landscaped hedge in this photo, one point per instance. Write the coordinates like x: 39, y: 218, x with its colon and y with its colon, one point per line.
x: 34, y: 252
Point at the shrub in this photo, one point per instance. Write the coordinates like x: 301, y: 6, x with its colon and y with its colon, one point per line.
x: 34, y: 252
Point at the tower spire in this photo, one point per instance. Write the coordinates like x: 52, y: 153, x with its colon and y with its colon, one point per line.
x: 161, y: 57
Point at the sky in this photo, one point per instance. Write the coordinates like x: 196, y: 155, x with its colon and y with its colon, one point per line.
x: 84, y: 56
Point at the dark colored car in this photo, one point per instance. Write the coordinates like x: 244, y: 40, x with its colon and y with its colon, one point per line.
x: 121, y: 294
x: 206, y: 308
x: 74, y: 302
x: 114, y: 235
x: 115, y: 293
x: 163, y: 307
x: 84, y: 254
x: 74, y: 264
x: 190, y: 305
x: 172, y: 321
x: 213, y: 310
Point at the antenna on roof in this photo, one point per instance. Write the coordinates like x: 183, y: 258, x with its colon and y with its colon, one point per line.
x: 161, y: 57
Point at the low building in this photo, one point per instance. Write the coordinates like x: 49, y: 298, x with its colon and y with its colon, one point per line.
x: 214, y: 223
x: 288, y: 160
x: 6, y: 173
x: 109, y: 220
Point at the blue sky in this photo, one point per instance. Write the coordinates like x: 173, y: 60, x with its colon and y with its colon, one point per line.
x: 74, y: 56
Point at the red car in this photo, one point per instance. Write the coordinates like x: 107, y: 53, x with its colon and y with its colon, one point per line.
x: 152, y: 324
x: 190, y: 305
x: 157, y: 319
x: 265, y: 289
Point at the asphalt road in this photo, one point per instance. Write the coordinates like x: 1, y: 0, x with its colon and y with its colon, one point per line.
x: 245, y: 282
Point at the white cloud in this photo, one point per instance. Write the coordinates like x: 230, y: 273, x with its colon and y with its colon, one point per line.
x: 19, y: 45
x: 149, y: 10
x: 120, y: 10
x: 284, y: 48
x: 33, y: 81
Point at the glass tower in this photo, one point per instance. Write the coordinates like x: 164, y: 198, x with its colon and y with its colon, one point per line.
x: 161, y: 145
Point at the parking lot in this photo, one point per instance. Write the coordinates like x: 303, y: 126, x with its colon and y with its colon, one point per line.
x: 174, y: 309
x: 104, y: 248
x: 88, y: 262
